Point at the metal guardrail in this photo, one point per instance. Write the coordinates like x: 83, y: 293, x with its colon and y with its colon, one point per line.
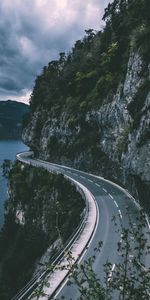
x: 31, y: 285
x: 123, y: 190
x: 56, y: 258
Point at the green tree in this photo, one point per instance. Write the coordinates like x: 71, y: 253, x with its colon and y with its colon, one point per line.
x: 6, y: 167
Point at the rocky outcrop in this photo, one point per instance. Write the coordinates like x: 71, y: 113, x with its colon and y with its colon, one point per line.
x: 112, y: 140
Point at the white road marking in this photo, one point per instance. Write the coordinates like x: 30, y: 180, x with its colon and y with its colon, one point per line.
x: 61, y: 287
x: 113, y: 267
x: 105, y: 190
x: 120, y: 214
x: 111, y: 196
x: 98, y: 184
x: 131, y: 257
x: 90, y: 180
x: 147, y: 222
x: 111, y: 272
x: 116, y: 203
x: 81, y: 257
x: 87, y: 246
x: 82, y: 176
x: 126, y: 192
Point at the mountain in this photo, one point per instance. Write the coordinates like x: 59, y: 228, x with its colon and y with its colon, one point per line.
x: 91, y: 108
x: 11, y: 117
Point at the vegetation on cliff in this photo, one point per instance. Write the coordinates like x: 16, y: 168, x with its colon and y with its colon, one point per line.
x: 90, y: 108
x: 88, y: 77
x: 41, y: 209
x: 96, y: 64
x: 127, y: 280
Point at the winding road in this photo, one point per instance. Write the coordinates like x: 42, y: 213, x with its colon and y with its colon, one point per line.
x: 111, y: 200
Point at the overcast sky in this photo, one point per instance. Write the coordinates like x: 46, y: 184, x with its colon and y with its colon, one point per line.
x: 33, y: 32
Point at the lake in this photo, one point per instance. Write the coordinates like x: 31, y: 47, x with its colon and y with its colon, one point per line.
x: 8, y: 150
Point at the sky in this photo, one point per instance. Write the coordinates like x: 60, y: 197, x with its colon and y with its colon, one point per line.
x: 34, y: 32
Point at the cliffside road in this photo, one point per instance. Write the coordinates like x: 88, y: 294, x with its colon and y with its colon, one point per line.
x: 111, y: 201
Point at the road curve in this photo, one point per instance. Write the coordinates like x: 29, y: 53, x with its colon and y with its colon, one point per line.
x: 110, y: 200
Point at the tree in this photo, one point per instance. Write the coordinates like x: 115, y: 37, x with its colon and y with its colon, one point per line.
x: 127, y: 280
x: 6, y: 166
x: 130, y: 279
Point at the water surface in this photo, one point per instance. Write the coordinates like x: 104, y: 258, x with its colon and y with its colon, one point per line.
x: 8, y: 150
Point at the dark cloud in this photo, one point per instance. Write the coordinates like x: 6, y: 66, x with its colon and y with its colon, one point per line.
x: 34, y: 32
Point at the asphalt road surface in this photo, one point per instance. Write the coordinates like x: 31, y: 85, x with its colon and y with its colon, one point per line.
x: 111, y: 201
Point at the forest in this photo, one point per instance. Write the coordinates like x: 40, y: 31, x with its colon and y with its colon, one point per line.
x: 91, y: 71
x: 42, y: 210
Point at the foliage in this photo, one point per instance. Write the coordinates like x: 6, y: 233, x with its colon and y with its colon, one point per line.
x: 97, y: 55
x: 42, y: 208
x: 6, y: 167
x: 26, y: 119
x: 127, y: 280
x: 87, y: 77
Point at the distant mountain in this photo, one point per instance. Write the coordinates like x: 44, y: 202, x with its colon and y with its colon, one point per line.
x: 11, y: 116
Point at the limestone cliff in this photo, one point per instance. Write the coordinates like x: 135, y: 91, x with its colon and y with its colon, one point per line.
x: 117, y: 145
x: 91, y: 108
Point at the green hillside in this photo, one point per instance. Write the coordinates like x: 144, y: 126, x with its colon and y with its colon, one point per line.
x: 90, y: 108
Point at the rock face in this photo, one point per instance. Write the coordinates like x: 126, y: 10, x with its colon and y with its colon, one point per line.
x: 115, y: 140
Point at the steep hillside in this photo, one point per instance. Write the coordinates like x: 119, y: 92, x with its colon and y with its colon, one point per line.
x: 11, y: 116
x: 42, y: 211
x: 91, y: 108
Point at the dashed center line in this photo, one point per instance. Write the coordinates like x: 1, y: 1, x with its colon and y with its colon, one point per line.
x: 105, y: 190
x: 90, y: 180
x: 116, y: 203
x: 111, y: 196
x: 111, y: 272
x: 97, y: 184
x: 82, y: 176
x: 120, y: 214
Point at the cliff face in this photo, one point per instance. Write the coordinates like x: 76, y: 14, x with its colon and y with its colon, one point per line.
x: 117, y: 134
x: 91, y: 108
